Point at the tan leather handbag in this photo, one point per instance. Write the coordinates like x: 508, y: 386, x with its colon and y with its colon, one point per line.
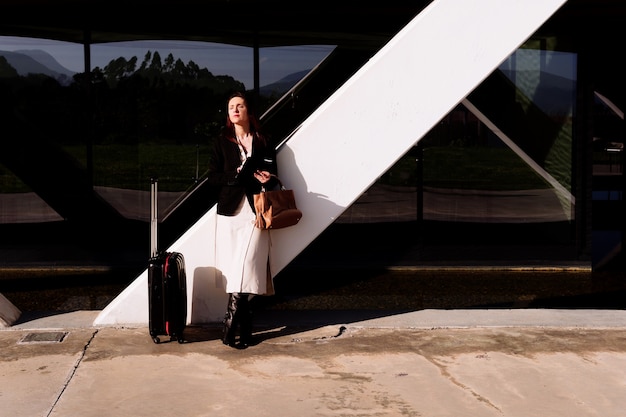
x: 276, y: 209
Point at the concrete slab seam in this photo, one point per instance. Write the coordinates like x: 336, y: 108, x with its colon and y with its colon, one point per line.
x: 72, y: 373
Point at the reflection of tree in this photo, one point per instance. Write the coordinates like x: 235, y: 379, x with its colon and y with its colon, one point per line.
x: 157, y: 100
x: 118, y: 69
x: 125, y: 107
x: 125, y: 102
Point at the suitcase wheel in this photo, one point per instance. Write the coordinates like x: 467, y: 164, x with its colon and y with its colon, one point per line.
x: 156, y: 340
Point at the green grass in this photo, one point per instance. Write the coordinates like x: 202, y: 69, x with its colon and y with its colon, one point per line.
x: 9, y: 183
x: 474, y: 168
x: 131, y: 167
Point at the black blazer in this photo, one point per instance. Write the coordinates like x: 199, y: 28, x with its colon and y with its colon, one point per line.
x: 223, y: 173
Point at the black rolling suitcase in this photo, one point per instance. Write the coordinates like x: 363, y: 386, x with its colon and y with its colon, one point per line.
x: 167, y: 284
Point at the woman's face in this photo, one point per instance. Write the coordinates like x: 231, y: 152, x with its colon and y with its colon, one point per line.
x: 237, y: 111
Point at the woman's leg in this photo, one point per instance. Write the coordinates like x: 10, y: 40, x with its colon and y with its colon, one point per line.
x: 231, y: 319
x: 245, y: 321
x: 238, y: 314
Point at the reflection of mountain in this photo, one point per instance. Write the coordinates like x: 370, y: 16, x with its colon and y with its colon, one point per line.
x: 37, y: 62
x: 40, y: 62
x: 553, y: 94
x: 283, y: 85
x: 47, y: 60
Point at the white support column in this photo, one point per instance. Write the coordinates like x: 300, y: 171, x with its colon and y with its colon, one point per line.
x: 8, y: 312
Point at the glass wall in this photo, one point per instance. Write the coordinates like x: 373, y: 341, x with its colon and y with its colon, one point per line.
x: 497, y: 169
x: 146, y: 109
x: 39, y: 108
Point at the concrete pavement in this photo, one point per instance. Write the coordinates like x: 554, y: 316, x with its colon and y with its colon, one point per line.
x: 500, y: 362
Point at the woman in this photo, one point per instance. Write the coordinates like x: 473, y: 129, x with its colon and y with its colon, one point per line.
x: 242, y: 163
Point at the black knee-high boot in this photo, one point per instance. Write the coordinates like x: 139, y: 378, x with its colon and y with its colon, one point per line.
x: 231, y: 319
x: 245, y: 321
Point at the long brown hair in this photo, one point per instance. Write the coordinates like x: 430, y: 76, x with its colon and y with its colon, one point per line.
x: 255, y: 126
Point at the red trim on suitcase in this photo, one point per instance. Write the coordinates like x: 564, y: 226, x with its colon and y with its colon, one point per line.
x: 166, y: 270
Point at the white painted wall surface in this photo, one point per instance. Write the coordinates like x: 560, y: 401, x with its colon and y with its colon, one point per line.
x: 360, y: 132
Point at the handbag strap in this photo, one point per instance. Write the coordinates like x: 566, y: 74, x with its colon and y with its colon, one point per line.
x: 280, y: 183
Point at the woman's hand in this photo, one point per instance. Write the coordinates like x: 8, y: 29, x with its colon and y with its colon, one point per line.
x: 262, y: 176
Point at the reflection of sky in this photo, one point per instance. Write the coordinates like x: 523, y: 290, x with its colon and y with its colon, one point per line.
x: 548, y: 78
x: 562, y: 64
x: 220, y: 59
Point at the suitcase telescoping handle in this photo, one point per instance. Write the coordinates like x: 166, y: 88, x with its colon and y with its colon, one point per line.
x: 154, y: 220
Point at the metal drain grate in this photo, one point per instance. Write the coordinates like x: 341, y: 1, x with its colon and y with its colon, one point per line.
x: 44, y: 337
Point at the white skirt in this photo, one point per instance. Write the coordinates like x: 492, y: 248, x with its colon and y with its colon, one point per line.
x: 242, y: 253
